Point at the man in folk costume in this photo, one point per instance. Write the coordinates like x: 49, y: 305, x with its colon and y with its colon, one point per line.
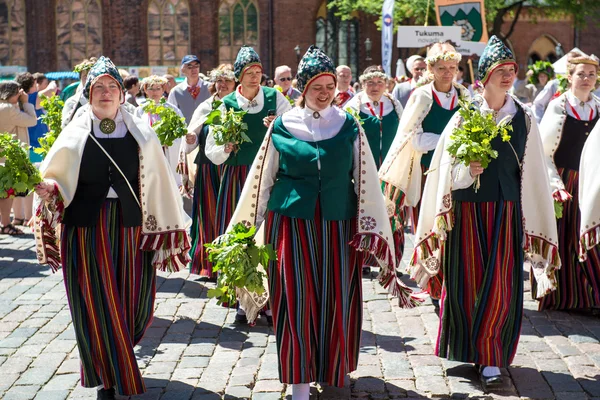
x: 107, y: 181
x: 344, y: 91
x: 380, y: 115
x: 481, y: 238
x: 261, y: 104
x: 314, y: 182
x: 427, y: 113
x: 208, y: 176
x: 565, y: 131
x: 189, y: 94
x: 402, y: 91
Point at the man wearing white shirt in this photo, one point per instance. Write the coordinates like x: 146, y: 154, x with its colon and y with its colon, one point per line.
x: 416, y: 65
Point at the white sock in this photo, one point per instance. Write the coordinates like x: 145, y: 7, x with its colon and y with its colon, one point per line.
x: 300, y: 391
x: 490, y: 371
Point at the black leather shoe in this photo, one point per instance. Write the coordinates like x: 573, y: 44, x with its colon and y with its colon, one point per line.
x: 106, y: 394
x: 241, y: 319
x: 366, y: 271
x: 269, y: 320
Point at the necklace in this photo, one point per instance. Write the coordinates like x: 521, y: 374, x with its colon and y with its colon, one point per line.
x: 107, y: 126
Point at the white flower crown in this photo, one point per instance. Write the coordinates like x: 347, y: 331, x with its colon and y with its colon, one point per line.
x: 218, y: 73
x: 445, y: 56
x: 373, y: 75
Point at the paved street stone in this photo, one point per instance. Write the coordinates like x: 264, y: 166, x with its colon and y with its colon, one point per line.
x: 194, y: 350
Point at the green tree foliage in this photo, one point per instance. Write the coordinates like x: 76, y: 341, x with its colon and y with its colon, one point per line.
x: 53, y: 119
x: 415, y: 12
x: 17, y: 175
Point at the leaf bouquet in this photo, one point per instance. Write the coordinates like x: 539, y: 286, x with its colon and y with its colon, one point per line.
x: 472, y: 140
x: 229, y: 127
x: 236, y: 257
x: 17, y: 175
x: 288, y: 98
x: 53, y: 119
x: 170, y: 126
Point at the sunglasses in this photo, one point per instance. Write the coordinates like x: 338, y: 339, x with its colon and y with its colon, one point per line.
x: 285, y: 79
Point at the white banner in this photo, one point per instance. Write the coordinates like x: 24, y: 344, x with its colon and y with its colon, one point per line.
x: 470, y: 48
x: 421, y: 36
x: 387, y: 35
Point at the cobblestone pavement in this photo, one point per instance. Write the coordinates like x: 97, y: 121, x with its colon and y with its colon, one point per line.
x: 194, y: 351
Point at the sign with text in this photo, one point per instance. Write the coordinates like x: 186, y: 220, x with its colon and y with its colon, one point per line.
x: 465, y: 48
x: 469, y: 15
x: 421, y: 36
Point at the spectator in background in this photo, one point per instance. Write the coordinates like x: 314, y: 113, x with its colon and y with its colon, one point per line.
x: 170, y: 84
x: 16, y: 114
x: 344, y: 91
x: 188, y: 95
x: 416, y: 66
x: 283, y: 78
x: 132, y: 87
x: 264, y: 79
x: 76, y: 101
x: 41, y: 82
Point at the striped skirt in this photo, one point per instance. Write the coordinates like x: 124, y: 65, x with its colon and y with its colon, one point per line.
x: 232, y: 183
x: 578, y: 283
x: 204, y: 217
x: 111, y: 286
x: 316, y: 298
x: 482, y: 295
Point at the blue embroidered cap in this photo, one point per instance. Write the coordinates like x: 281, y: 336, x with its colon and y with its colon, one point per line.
x: 188, y: 59
x: 495, y: 54
x: 314, y: 64
x: 102, y: 67
x: 245, y: 59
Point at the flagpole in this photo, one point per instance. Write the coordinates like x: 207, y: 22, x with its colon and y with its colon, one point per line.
x: 470, y: 62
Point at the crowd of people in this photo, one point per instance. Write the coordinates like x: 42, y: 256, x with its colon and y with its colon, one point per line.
x: 333, y: 176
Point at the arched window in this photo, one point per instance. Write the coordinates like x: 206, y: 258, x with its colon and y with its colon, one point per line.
x: 78, y: 31
x: 543, y: 48
x: 337, y: 38
x: 168, y: 31
x: 238, y: 26
x: 12, y: 32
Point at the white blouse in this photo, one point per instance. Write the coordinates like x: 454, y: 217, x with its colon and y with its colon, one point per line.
x: 302, y: 124
x: 363, y: 99
x: 585, y: 111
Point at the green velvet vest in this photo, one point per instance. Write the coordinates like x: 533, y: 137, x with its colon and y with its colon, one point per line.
x: 256, y: 129
x: 300, y: 183
x: 435, y: 122
x: 501, y: 180
x: 380, y: 134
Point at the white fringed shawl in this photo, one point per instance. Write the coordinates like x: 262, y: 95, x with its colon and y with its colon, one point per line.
x: 540, y: 238
x: 164, y: 222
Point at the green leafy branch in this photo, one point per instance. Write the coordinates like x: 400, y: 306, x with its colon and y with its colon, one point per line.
x: 170, y: 125
x: 53, y: 119
x: 228, y: 127
x: 236, y: 257
x: 17, y: 175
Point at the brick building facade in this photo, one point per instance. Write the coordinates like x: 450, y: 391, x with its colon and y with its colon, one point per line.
x: 282, y: 25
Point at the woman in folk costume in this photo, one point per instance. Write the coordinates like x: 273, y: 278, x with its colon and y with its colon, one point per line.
x: 208, y: 175
x: 261, y: 104
x: 107, y: 181
x: 565, y: 130
x: 153, y: 87
x: 315, y: 187
x: 380, y: 114
x: 480, y: 239
x: 427, y: 113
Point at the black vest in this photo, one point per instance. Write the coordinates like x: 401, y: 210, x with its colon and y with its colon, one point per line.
x: 572, y: 140
x: 501, y: 180
x: 201, y: 156
x: 97, y: 174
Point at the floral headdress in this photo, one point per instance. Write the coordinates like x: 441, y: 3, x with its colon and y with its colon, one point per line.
x: 154, y: 80
x: 444, y: 56
x: 538, y: 68
x: 85, y: 65
x: 373, y: 72
x: 217, y: 73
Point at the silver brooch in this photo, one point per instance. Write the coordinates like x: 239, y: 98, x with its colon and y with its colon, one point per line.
x: 316, y: 115
x: 252, y: 103
x: 375, y: 103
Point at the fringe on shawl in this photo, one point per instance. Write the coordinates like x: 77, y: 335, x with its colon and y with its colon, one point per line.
x: 424, y: 253
x: 544, y: 270
x: 171, y: 249
x: 397, y: 198
x: 184, y: 170
x: 378, y: 248
x: 588, y: 241
x: 48, y: 217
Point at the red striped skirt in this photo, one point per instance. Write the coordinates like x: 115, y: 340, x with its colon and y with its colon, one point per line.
x: 482, y: 295
x: 204, y: 217
x: 316, y: 298
x: 111, y: 286
x: 578, y: 283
